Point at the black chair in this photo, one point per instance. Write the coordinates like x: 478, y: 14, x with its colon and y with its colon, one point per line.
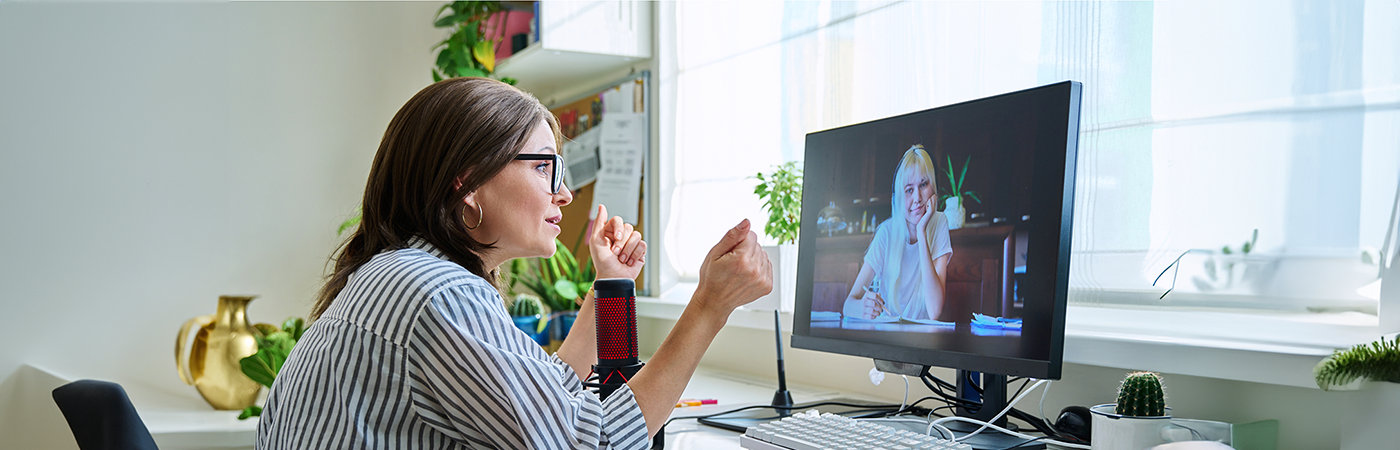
x: 102, y: 417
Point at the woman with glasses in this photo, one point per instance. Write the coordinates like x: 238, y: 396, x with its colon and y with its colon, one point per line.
x: 411, y: 345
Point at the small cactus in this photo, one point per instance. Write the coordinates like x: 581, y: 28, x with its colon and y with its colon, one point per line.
x: 526, y: 305
x: 1141, y: 395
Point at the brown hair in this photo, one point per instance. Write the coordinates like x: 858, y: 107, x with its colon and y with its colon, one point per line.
x: 460, y: 128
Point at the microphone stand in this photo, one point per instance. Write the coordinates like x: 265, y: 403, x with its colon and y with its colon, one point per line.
x: 781, y: 399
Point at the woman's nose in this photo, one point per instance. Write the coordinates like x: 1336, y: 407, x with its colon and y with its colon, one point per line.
x: 565, y: 195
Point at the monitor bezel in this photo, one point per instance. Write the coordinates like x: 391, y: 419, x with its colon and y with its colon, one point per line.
x: 1050, y: 368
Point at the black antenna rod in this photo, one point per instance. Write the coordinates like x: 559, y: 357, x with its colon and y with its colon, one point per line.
x: 782, y: 398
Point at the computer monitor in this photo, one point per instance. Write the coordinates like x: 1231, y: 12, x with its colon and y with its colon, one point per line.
x: 1001, y: 267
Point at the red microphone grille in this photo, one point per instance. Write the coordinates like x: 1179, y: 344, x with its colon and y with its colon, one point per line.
x: 617, y: 328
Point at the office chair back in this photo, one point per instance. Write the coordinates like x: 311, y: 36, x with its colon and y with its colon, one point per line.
x: 102, y: 417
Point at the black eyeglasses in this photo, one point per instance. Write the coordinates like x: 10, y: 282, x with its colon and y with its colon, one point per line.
x: 556, y: 174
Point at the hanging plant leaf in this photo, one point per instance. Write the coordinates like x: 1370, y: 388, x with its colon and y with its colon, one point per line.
x: 566, y: 289
x: 485, y: 53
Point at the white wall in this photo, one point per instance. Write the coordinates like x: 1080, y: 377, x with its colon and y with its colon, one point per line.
x: 1310, y: 419
x: 154, y: 156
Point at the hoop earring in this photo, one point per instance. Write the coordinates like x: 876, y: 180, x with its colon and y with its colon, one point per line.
x: 479, y: 216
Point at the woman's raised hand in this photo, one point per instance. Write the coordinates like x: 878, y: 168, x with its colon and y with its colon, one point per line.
x: 618, y: 251
x: 735, y: 272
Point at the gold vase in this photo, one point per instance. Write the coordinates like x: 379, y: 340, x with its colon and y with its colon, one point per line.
x: 212, y: 364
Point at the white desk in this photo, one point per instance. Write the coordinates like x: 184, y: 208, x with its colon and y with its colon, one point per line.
x: 186, y: 422
x: 732, y: 391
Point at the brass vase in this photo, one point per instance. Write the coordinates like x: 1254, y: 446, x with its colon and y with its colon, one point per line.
x: 212, y: 364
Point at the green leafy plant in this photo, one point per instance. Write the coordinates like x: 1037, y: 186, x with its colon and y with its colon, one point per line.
x: 955, y: 184
x: 781, y: 191
x: 273, y: 347
x: 558, y: 279
x: 1378, y: 361
x: 468, y: 51
x: 1141, y: 395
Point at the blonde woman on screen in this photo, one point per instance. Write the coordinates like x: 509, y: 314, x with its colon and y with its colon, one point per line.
x: 906, y: 266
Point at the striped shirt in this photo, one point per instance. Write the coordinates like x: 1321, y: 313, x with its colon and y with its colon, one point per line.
x: 418, y: 353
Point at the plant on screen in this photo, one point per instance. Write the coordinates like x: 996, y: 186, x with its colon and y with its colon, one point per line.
x: 955, y: 183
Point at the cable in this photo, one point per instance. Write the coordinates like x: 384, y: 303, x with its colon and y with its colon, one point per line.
x: 1009, y: 432
x: 967, y: 375
x: 1042, y: 401
x: 1028, y: 441
x: 1026, y: 381
x: 926, y: 377
x: 1003, y: 412
x: 906, y: 393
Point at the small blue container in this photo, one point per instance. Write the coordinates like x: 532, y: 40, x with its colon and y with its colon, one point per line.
x: 559, y: 327
x: 529, y: 324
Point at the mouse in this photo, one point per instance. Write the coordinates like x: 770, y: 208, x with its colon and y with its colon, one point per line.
x: 1074, y: 421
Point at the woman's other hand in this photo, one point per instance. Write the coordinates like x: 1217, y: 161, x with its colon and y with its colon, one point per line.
x: 735, y: 272
x: 872, y: 305
x: 618, y: 250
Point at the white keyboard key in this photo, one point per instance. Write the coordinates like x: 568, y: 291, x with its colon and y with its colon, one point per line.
x: 795, y: 443
x: 809, y: 430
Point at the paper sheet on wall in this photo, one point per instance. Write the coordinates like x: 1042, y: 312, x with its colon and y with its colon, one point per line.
x: 622, y: 145
x: 618, y: 100
x: 581, y: 159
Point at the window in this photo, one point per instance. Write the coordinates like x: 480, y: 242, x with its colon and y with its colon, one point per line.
x: 1202, y: 122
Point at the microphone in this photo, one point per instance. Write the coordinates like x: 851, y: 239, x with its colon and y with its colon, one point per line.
x: 615, y: 311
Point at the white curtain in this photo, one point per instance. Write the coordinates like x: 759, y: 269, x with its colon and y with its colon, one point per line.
x: 1202, y: 121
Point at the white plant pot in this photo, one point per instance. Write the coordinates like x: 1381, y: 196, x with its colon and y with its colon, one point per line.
x: 1369, y: 418
x: 1113, y: 431
x: 784, y: 260
x: 954, y: 212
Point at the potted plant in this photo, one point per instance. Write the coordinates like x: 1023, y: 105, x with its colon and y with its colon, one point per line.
x: 1377, y: 361
x: 561, y: 284
x: 468, y: 51
x: 781, y: 191
x: 1136, y: 421
x: 528, y: 314
x: 952, y: 200
x: 1372, y: 406
x: 274, y: 346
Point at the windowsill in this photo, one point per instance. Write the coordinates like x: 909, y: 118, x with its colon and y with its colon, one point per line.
x: 1263, y: 347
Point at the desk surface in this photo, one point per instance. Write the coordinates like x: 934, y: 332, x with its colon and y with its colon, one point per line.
x: 732, y: 391
x: 185, y: 422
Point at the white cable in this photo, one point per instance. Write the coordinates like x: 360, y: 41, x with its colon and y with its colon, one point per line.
x: 1012, y: 433
x: 1042, y: 401
x: 906, y: 393
x: 1003, y: 412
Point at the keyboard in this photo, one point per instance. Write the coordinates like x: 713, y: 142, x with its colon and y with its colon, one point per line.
x: 811, y: 430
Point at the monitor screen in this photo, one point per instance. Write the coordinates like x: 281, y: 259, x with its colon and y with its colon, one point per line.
x: 942, y: 237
